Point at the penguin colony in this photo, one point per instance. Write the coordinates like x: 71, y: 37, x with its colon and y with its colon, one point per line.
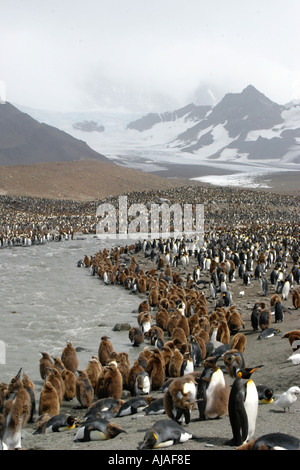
x: 189, y: 353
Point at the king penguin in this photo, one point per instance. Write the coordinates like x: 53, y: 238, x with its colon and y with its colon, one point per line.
x: 243, y: 407
x: 165, y: 433
x: 97, y: 429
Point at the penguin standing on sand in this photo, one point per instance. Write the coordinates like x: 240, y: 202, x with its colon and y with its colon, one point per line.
x: 69, y: 357
x: 49, y: 401
x: 84, y: 389
x: 45, y: 363
x: 264, y: 285
x: 213, y: 392
x: 243, y: 407
x: 180, y: 398
x: 16, y: 413
x: 105, y: 350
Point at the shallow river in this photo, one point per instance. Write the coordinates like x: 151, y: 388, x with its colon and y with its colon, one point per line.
x: 46, y: 300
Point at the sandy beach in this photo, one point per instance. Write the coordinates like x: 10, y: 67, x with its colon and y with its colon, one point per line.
x: 271, y: 211
x: 276, y: 373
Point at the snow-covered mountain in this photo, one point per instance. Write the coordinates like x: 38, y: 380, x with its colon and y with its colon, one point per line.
x: 244, y: 125
x: 244, y: 129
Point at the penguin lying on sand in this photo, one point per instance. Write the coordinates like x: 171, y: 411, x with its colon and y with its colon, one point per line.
x: 104, y: 407
x: 273, y: 441
x: 265, y: 394
x: 269, y: 332
x: 134, y: 405
x: 156, y: 407
x: 165, y: 433
x: 98, y: 429
x: 58, y: 423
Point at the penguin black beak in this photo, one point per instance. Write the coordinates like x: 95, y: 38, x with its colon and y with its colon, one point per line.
x: 257, y: 367
x: 19, y: 373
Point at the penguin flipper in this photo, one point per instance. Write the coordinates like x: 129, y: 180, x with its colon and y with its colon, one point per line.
x: 287, y: 310
x: 238, y: 420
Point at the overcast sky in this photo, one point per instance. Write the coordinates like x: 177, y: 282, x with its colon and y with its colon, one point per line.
x: 144, y: 55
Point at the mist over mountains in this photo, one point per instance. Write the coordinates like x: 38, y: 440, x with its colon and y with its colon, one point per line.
x: 243, y: 128
x: 244, y: 125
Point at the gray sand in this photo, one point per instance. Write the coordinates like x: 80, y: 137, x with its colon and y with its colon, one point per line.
x: 277, y: 373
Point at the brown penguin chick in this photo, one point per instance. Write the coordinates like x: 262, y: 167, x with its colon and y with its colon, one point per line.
x: 69, y: 379
x: 40, y: 423
x: 14, y: 384
x: 124, y: 368
x: 84, y: 389
x: 94, y: 369
x: 105, y: 350
x: 69, y: 357
x: 136, y: 336
x: 204, y: 324
x: 166, y: 354
x: 112, y: 381
x: 153, y: 297
x: 175, y: 364
x: 142, y: 285
x: 184, y: 325
x: 193, y: 322
x: 58, y: 383
x: 275, y: 299
x: 223, y: 333
x: 29, y: 387
x: 144, y: 357
x: 144, y: 306
x: 16, y: 413
x: 154, y: 332
x: 213, y: 387
x: 58, y: 364
x: 172, y: 323
x: 235, y: 322
x: 156, y: 369
x: 233, y: 361
x: 264, y: 320
x: 296, y: 299
x: 294, y: 339
x: 204, y: 335
x: 144, y: 321
x: 238, y: 342
x: 49, y: 401
x: 134, y: 370
x: 180, y: 398
x: 161, y: 318
x: 178, y: 334
x: 45, y: 363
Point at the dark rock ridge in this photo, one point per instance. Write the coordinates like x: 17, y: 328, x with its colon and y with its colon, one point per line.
x: 24, y: 140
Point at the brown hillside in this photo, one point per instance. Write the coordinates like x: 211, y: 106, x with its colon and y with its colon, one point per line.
x: 78, y: 180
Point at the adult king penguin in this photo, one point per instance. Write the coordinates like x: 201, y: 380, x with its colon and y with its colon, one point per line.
x: 243, y: 407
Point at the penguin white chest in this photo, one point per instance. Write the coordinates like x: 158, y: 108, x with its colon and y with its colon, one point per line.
x: 251, y: 407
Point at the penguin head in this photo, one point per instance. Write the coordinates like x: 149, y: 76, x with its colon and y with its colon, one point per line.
x: 114, y: 429
x: 247, y: 372
x: 150, y: 440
